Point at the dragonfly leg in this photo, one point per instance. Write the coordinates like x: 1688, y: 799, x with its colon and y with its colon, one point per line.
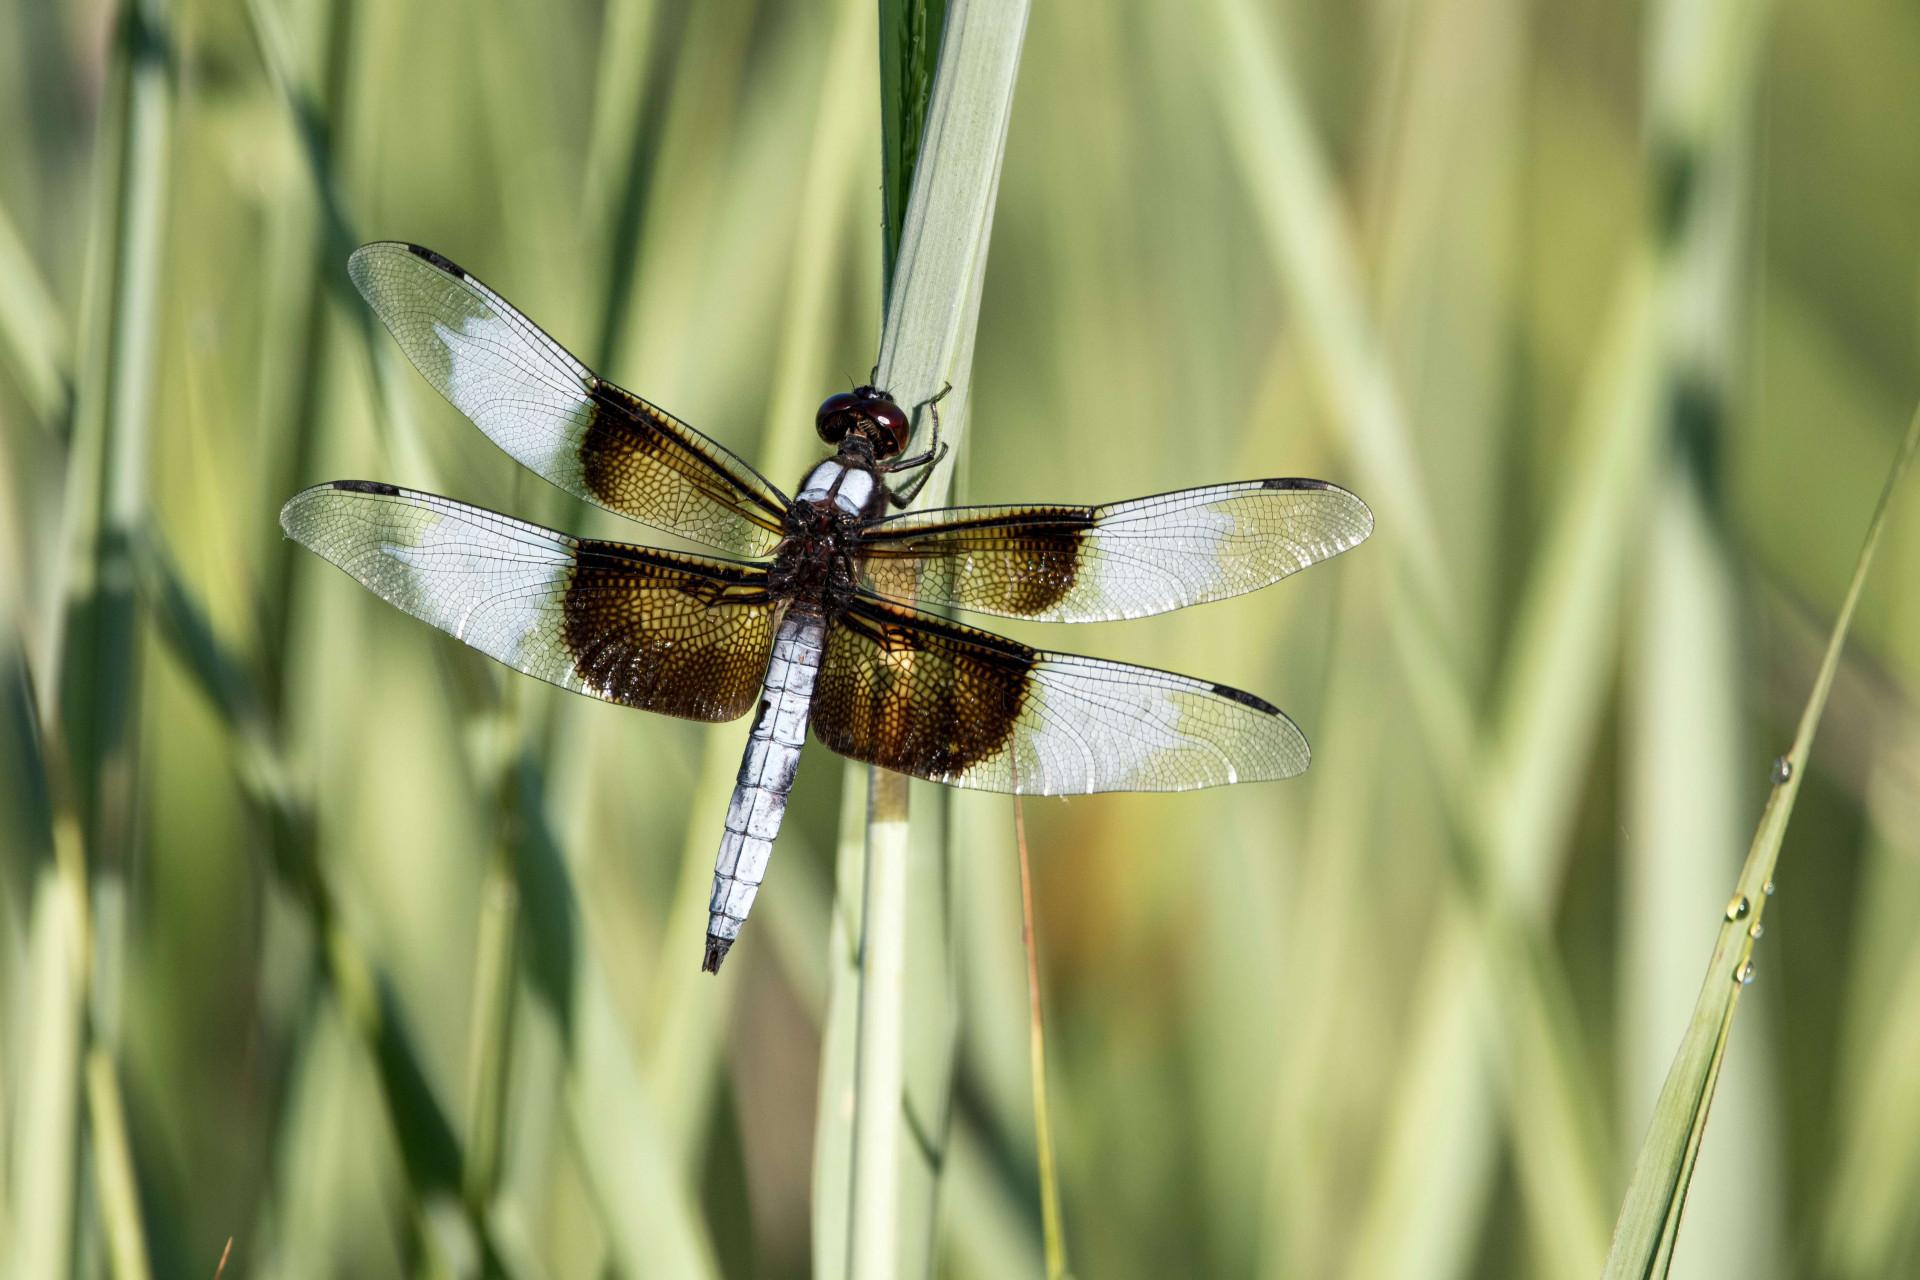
x: 912, y: 490
x: 934, y: 450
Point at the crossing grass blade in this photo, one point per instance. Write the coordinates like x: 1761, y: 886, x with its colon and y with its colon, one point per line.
x: 1649, y: 1223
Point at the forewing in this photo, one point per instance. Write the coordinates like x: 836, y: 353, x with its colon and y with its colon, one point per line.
x: 1123, y: 560
x: 676, y: 634
x: 948, y: 703
x: 552, y: 413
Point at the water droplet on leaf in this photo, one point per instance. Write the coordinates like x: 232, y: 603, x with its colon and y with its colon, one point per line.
x: 1737, y: 909
x: 1782, y: 770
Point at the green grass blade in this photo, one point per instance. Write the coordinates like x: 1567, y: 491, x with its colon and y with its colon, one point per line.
x: 47, y: 1137
x: 909, y: 56
x: 933, y: 310
x: 35, y: 340
x: 621, y: 85
x: 1649, y: 1222
x: 118, y: 1189
x: 1684, y: 764
x: 989, y: 1232
x: 933, y: 306
x: 490, y: 1031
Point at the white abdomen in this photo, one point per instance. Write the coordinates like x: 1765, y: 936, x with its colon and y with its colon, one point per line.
x: 766, y: 776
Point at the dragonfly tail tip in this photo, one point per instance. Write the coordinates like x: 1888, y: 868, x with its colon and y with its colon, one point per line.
x: 716, y: 952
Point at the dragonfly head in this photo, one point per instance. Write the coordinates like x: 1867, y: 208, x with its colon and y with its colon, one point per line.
x: 867, y: 412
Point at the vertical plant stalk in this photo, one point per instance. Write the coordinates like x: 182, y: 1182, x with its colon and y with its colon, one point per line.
x: 489, y: 1035
x: 119, y: 1195
x: 1052, y: 1229
x: 51, y: 1054
x: 1649, y: 1223
x: 98, y: 684
x: 879, y: 1065
x: 926, y: 348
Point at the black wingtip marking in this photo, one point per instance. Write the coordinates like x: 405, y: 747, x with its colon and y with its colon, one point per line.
x: 716, y: 952
x: 1296, y: 482
x: 446, y: 264
x: 368, y: 486
x: 1246, y: 699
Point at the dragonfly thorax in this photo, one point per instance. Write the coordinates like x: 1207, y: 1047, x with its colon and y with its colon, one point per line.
x: 815, y: 561
x: 854, y: 490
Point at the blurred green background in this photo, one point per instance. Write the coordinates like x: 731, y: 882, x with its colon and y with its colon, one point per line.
x: 320, y: 933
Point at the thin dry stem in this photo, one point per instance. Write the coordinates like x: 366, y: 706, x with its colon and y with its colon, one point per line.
x: 1052, y: 1229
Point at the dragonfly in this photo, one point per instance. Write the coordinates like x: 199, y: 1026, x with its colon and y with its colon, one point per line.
x: 820, y: 611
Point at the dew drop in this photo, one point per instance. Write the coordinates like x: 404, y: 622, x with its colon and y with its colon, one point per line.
x: 1744, y: 975
x: 1756, y: 931
x: 1737, y: 909
x: 1767, y: 888
x: 1782, y: 770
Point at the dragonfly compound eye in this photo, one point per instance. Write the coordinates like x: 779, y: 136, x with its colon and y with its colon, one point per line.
x: 886, y: 423
x: 893, y: 428
x: 837, y: 413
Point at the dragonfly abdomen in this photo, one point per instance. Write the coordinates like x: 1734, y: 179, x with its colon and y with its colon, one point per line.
x: 766, y: 776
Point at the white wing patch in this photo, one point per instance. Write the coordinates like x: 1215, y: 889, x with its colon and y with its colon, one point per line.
x: 1093, y: 726
x: 490, y: 581
x: 540, y: 424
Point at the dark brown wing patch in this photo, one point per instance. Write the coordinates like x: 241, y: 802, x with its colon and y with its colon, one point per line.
x: 916, y: 694
x: 647, y: 464
x: 647, y: 630
x: 1034, y: 552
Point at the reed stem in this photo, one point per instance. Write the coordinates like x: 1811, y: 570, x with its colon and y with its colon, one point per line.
x: 879, y: 1066
x: 926, y: 350
x: 1053, y: 1229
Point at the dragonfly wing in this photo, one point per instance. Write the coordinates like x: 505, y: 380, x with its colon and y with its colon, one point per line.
x: 680, y: 635
x: 1122, y: 560
x: 930, y: 698
x: 553, y: 415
